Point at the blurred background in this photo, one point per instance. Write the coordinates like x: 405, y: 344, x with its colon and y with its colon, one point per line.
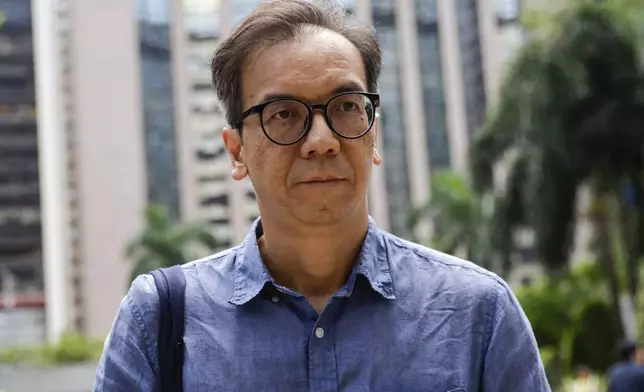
x: 512, y: 135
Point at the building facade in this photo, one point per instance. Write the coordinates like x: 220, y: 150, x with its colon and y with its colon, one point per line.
x: 21, y: 272
x: 154, y: 21
x: 92, y: 157
x: 128, y: 117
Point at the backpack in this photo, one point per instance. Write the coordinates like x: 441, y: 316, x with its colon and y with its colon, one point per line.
x: 171, y: 285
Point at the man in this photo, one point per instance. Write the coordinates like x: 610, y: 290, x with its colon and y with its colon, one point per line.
x: 628, y: 374
x: 316, y: 298
x: 584, y: 381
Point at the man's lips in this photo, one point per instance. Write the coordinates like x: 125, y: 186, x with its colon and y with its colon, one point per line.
x: 322, y: 181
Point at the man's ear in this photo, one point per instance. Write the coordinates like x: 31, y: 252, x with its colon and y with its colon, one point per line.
x: 377, y: 159
x: 233, y: 144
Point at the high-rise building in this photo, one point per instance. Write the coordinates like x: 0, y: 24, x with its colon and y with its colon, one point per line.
x: 92, y: 156
x: 432, y: 92
x: 217, y: 198
x: 127, y: 116
x: 154, y: 20
x: 21, y: 278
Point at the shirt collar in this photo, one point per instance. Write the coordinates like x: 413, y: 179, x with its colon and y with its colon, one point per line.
x: 250, y: 273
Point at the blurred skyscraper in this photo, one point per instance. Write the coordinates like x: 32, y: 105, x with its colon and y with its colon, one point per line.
x: 211, y: 194
x: 127, y: 117
x: 94, y: 149
x: 20, y: 229
x: 154, y: 20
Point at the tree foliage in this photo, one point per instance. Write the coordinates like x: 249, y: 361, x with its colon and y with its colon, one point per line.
x: 571, y: 109
x: 572, y: 320
x: 463, y: 219
x: 163, y: 243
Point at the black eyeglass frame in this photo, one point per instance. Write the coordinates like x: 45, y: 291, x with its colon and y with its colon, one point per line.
x: 259, y: 110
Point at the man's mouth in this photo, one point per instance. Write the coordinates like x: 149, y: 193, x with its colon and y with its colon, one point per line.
x: 322, y: 181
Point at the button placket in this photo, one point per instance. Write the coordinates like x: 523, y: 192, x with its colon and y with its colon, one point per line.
x: 323, y: 375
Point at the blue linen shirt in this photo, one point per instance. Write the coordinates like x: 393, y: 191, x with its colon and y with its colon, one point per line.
x: 626, y: 376
x: 408, y: 319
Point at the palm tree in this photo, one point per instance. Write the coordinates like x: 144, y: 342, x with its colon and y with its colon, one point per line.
x: 571, y: 110
x: 163, y: 243
x: 463, y: 219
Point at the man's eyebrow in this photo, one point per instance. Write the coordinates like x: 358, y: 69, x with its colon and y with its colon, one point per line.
x: 274, y: 96
x: 347, y: 88
x: 343, y: 88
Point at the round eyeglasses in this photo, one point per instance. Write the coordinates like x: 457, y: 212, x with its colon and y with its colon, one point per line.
x: 286, y: 121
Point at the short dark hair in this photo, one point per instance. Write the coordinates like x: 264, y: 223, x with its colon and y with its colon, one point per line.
x: 278, y: 21
x: 627, y: 349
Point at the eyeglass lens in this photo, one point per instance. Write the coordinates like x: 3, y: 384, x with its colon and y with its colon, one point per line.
x: 285, y: 121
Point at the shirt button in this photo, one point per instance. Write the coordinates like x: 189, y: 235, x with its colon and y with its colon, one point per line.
x: 275, y: 299
x: 319, y: 332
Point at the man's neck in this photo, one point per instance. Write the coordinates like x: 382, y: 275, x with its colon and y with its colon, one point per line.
x: 313, y: 261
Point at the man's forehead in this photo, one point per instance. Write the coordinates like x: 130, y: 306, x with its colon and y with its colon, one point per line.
x: 312, y: 67
x: 315, y: 48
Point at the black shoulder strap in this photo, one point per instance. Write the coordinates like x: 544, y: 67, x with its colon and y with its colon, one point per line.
x: 171, y: 285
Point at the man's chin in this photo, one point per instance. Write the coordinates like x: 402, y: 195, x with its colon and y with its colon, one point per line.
x: 317, y: 215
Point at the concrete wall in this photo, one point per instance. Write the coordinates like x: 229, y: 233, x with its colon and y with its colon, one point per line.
x: 109, y: 153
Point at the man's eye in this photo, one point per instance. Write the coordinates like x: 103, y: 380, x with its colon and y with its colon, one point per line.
x: 349, y: 106
x: 283, y: 115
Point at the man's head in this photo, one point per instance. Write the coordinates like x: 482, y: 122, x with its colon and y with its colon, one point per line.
x: 286, y: 58
x: 583, y: 372
x: 631, y: 351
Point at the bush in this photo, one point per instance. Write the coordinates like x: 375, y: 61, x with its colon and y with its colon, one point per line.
x: 72, y: 348
x: 572, y: 320
x: 21, y: 355
x: 597, y: 337
x: 552, y: 364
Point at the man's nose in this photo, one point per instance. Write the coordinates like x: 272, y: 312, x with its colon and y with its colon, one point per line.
x: 320, y: 140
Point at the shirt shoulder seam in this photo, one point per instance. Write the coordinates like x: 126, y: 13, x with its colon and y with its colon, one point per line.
x: 400, y: 244
x: 136, y: 313
x: 490, y: 313
x: 211, y: 258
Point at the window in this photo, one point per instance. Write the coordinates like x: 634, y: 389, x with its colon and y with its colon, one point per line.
x: 204, y: 155
x: 215, y: 200
x: 202, y: 87
x: 508, y: 10
x: 158, y: 103
x: 219, y: 221
x: 472, y: 63
x: 426, y: 11
x: 393, y: 141
x: 432, y: 84
x: 205, y: 180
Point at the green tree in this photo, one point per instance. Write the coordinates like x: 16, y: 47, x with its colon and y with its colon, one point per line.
x: 463, y: 219
x: 163, y: 243
x: 571, y: 319
x: 571, y: 110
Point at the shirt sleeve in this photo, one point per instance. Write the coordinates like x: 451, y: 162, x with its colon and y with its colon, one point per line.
x: 512, y: 361
x: 128, y: 362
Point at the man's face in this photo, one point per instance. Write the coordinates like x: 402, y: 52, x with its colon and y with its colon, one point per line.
x: 292, y: 179
x: 639, y: 356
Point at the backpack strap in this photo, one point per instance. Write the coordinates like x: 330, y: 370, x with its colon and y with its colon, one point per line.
x: 171, y: 285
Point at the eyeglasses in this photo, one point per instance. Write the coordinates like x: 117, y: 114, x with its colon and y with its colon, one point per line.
x: 286, y: 121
